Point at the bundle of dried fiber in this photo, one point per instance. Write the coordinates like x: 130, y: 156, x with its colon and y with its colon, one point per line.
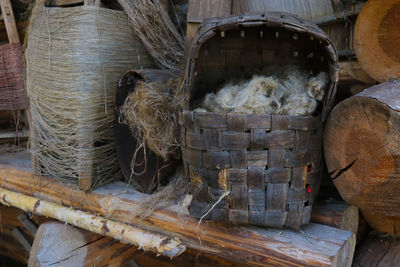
x: 153, y: 26
x: 288, y: 90
x: 151, y: 111
x: 75, y: 57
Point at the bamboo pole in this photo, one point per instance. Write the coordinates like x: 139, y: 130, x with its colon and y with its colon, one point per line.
x: 125, y: 233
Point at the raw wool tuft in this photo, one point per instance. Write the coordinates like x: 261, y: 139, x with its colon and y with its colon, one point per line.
x: 289, y: 90
x: 75, y: 57
x: 155, y: 29
x: 151, y: 112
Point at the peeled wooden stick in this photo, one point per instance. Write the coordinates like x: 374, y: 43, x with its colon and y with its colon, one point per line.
x: 123, y: 232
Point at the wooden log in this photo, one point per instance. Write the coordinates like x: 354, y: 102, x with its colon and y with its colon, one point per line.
x: 336, y: 214
x: 378, y: 250
x: 362, y: 144
x: 351, y: 70
x: 146, y: 240
x: 9, y: 21
x: 63, y: 245
x: 376, y: 39
x: 314, y: 245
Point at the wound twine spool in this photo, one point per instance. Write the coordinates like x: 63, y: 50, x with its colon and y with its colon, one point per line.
x: 75, y: 57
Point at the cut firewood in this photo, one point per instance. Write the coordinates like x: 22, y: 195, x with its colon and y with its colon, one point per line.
x: 378, y: 250
x: 362, y: 144
x: 314, y: 245
x: 376, y: 39
x: 62, y: 245
x: 336, y: 214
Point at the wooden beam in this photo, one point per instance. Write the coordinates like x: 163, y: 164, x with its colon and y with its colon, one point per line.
x: 9, y: 21
x: 65, y: 2
x: 63, y: 245
x: 125, y: 233
x: 314, y: 245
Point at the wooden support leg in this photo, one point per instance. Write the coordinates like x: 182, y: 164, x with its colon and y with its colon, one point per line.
x: 9, y: 21
x: 62, y: 245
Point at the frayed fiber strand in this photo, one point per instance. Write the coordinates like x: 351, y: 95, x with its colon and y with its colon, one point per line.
x: 153, y: 26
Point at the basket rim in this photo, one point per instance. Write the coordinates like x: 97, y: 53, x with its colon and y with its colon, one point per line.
x: 209, y: 28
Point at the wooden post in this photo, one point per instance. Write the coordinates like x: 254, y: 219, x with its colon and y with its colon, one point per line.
x: 9, y: 21
x: 361, y: 145
x: 377, y: 41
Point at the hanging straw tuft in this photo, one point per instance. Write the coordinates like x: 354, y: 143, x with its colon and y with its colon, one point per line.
x: 155, y: 29
x: 151, y: 112
x: 75, y: 57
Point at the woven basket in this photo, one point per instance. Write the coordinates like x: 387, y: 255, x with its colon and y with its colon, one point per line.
x: 12, y: 86
x: 271, y: 164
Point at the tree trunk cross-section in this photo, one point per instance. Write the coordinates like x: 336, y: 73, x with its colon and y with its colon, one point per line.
x: 362, y: 150
x: 377, y: 41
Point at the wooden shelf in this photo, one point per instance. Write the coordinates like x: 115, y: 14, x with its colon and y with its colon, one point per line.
x: 314, y: 245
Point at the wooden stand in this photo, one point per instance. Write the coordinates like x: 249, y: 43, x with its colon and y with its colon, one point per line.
x: 314, y: 245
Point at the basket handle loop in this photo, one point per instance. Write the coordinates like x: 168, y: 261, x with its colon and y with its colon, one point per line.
x: 9, y: 21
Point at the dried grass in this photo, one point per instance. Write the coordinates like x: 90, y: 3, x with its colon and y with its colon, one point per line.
x: 155, y: 29
x: 151, y: 112
x: 75, y: 57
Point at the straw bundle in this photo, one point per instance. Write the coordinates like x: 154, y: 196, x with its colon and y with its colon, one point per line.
x: 151, y: 112
x: 75, y: 57
x: 155, y: 29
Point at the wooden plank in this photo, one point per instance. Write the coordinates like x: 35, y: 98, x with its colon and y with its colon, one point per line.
x: 200, y: 10
x: 63, y: 245
x: 65, y: 2
x: 9, y: 21
x: 315, y: 245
